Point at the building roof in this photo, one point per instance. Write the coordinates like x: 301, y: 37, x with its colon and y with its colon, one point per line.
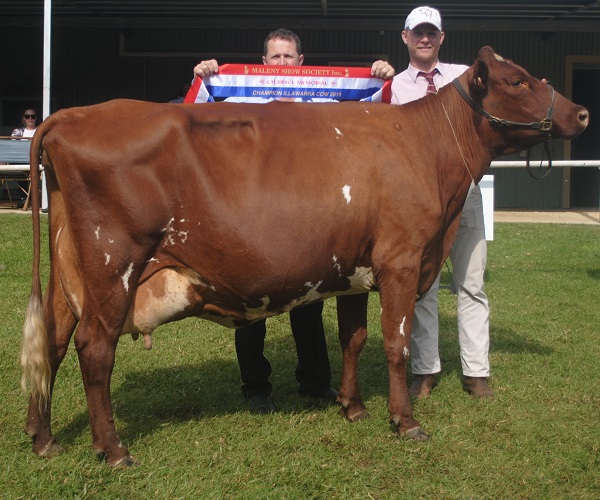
x: 472, y: 15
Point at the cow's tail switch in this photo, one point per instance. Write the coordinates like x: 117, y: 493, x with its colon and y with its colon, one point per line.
x: 35, y: 358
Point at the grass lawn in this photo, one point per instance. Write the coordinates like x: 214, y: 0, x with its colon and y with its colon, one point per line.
x: 179, y: 408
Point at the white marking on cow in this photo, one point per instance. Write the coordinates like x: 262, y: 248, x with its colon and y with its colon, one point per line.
x: 402, y: 327
x: 182, y: 236
x: 499, y: 58
x: 338, y: 132
x: 362, y: 279
x: 168, y: 226
x: 312, y: 295
x: 260, y: 311
x: 152, y: 259
x: 206, y: 285
x: 171, y: 233
x: 111, y: 241
x: 169, y: 241
x: 346, y: 193
x: 58, y: 235
x: 406, y: 352
x: 106, y: 259
x: 126, y: 276
x: 336, y: 264
x: 97, y: 233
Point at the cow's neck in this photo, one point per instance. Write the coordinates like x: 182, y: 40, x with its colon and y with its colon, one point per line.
x: 467, y: 155
x: 469, y: 136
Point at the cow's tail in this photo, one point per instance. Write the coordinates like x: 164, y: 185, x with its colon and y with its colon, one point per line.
x: 35, y: 358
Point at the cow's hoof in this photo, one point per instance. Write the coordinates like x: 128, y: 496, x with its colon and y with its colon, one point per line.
x: 125, y: 462
x: 52, y: 449
x: 121, y: 461
x: 416, y: 434
x: 30, y: 430
x: 354, y: 414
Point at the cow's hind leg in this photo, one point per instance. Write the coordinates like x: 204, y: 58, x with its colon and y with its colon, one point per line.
x: 352, y: 324
x: 96, y: 347
x: 396, y: 323
x: 45, y: 343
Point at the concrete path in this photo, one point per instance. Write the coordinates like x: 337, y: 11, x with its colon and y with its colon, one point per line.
x: 546, y: 216
x: 549, y: 216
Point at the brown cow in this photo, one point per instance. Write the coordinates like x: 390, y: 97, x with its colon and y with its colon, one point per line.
x: 238, y: 212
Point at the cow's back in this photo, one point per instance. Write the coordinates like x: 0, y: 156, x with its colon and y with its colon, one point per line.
x: 220, y: 187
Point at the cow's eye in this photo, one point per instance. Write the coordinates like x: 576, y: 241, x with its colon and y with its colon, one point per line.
x: 517, y: 83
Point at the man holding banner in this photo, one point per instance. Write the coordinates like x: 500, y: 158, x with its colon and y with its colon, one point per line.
x: 281, y: 77
x: 257, y: 84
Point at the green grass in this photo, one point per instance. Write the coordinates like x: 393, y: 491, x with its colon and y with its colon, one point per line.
x: 179, y: 408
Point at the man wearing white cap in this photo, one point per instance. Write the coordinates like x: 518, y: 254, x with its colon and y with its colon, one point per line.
x: 425, y: 74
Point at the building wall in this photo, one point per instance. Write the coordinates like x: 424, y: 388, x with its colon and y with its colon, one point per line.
x: 94, y: 65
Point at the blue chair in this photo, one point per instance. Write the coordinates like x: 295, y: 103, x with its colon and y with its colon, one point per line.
x: 14, y: 168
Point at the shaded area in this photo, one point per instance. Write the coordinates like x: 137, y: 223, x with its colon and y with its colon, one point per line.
x: 148, y: 399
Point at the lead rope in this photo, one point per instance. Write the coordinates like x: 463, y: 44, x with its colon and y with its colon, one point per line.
x: 456, y: 139
x: 543, y: 173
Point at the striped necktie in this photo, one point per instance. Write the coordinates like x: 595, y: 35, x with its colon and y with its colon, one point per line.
x: 431, y: 88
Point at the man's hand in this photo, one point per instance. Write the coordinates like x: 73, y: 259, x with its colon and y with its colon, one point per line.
x: 382, y: 69
x: 206, y: 68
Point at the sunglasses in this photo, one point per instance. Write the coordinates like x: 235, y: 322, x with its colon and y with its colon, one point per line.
x: 30, y: 116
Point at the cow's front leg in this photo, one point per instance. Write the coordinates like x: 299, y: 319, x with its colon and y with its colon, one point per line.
x: 396, y: 323
x: 352, y: 325
x: 96, y: 350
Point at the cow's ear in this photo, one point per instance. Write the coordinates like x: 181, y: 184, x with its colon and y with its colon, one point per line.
x: 480, y: 76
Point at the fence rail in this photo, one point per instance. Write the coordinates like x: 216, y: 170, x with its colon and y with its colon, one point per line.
x: 537, y: 163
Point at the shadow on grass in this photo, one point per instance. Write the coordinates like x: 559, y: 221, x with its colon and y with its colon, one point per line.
x: 508, y: 341
x: 594, y: 274
x: 148, y: 399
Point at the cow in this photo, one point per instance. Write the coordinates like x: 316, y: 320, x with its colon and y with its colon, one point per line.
x: 233, y: 213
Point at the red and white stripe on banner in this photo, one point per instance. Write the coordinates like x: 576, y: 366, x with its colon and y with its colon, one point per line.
x: 303, y: 82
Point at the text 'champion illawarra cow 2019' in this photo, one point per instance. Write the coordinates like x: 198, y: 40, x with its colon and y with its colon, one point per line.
x: 195, y: 213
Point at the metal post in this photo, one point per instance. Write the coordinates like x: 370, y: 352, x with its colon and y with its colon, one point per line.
x: 47, y: 82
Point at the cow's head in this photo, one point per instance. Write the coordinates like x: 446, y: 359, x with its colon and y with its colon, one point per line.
x: 528, y: 110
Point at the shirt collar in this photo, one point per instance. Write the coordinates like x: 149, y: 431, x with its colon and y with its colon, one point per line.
x: 414, y: 72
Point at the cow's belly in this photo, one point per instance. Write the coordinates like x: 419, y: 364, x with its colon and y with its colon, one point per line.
x: 173, y: 293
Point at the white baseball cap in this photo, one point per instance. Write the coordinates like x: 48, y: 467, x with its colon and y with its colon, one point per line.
x: 422, y: 15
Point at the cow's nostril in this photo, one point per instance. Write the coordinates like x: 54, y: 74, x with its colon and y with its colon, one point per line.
x: 584, y: 116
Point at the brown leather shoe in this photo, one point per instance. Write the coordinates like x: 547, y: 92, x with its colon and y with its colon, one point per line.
x: 421, y: 386
x: 478, y: 387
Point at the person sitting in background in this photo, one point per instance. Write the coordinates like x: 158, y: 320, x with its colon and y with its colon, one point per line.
x: 26, y: 130
x: 28, y: 124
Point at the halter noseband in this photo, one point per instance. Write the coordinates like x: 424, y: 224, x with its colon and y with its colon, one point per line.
x: 543, y: 126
